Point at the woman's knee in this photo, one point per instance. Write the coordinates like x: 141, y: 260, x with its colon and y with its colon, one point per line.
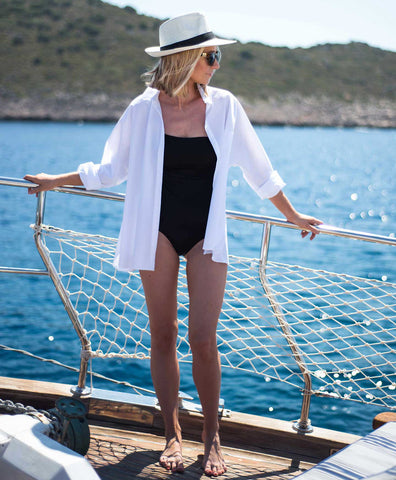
x: 163, y: 339
x: 203, y: 346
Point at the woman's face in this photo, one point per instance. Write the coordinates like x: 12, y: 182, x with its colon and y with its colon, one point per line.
x: 203, y: 72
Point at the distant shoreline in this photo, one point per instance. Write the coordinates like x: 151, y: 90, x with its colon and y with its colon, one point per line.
x: 289, y: 110
x: 254, y: 123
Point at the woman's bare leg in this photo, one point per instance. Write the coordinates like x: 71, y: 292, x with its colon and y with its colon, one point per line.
x: 160, y: 288
x: 206, y: 285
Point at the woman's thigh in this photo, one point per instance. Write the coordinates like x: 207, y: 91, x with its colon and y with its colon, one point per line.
x: 160, y: 288
x: 206, y: 284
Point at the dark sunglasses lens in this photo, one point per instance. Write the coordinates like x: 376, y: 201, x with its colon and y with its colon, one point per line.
x: 212, y: 57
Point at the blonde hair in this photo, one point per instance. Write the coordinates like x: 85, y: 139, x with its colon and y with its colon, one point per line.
x: 172, y: 72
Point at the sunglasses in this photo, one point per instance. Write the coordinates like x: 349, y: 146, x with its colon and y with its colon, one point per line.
x: 211, y: 57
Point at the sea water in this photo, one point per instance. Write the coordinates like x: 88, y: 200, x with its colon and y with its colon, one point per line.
x: 345, y: 177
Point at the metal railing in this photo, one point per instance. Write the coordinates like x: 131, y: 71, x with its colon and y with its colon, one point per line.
x: 303, y: 424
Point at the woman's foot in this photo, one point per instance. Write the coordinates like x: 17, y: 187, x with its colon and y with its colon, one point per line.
x: 171, y: 457
x: 213, y: 462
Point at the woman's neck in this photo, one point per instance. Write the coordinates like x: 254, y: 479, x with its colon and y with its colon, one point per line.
x: 190, y: 95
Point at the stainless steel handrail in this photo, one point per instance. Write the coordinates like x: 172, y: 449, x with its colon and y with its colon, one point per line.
x: 325, y: 229
x: 23, y: 271
x: 20, y: 182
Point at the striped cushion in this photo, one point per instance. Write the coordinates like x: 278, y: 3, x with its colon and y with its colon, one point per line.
x: 373, y: 457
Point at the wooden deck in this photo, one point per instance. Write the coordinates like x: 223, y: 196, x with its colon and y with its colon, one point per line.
x: 127, y: 438
x: 119, y: 454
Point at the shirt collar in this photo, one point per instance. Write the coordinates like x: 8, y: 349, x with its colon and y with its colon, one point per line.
x: 150, y: 92
x: 206, y: 96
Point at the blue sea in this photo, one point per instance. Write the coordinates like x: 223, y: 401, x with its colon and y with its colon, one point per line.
x: 345, y: 177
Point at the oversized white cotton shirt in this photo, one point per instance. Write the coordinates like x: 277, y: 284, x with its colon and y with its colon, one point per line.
x: 135, y: 152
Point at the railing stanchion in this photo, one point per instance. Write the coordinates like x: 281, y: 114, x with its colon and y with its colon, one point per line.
x: 303, y: 425
x: 265, y: 245
x: 40, y: 209
x: 81, y: 388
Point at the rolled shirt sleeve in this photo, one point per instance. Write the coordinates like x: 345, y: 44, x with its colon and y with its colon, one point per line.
x: 89, y: 174
x: 248, y: 153
x: 272, y: 186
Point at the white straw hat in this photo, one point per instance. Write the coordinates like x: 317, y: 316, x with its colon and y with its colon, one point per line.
x: 185, y: 32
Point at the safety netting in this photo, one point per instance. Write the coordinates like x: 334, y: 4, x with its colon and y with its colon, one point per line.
x: 342, y: 327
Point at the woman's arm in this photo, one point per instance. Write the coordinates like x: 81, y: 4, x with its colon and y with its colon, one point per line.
x: 48, y: 182
x: 307, y: 223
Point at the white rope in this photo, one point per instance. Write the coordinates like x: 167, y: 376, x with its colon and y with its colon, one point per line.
x: 137, y: 389
x: 344, y: 326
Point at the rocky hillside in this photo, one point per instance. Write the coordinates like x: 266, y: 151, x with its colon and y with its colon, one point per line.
x: 82, y: 59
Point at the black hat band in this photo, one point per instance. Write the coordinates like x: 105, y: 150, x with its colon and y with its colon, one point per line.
x: 190, y: 41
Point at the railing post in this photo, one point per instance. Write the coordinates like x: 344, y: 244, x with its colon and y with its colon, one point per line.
x: 303, y: 425
x: 265, y: 245
x: 40, y: 209
x: 81, y: 388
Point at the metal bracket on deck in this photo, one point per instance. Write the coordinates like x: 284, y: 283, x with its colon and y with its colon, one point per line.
x: 187, y: 405
x: 81, y: 392
x: 302, y: 427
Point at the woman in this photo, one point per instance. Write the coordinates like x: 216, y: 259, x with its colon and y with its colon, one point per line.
x: 174, y: 145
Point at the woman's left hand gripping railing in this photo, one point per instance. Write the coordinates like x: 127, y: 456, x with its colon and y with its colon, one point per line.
x: 81, y: 389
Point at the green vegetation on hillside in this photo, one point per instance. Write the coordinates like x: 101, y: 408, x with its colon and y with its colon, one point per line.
x: 346, y: 72
x: 73, y: 46
x: 87, y: 46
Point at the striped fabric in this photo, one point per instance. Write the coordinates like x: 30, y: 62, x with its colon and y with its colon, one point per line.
x: 373, y: 457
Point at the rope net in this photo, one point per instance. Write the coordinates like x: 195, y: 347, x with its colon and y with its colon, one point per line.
x: 344, y: 327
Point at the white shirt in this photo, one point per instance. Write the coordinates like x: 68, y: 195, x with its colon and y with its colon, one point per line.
x: 135, y: 152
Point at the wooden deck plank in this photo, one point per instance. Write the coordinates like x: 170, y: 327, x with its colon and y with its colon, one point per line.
x: 119, y: 454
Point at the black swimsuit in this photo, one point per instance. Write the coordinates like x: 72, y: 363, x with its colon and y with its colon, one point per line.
x: 189, y: 165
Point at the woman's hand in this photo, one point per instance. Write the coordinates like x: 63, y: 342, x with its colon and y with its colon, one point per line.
x: 44, y: 181
x: 47, y: 182
x: 307, y: 223
x: 282, y: 203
